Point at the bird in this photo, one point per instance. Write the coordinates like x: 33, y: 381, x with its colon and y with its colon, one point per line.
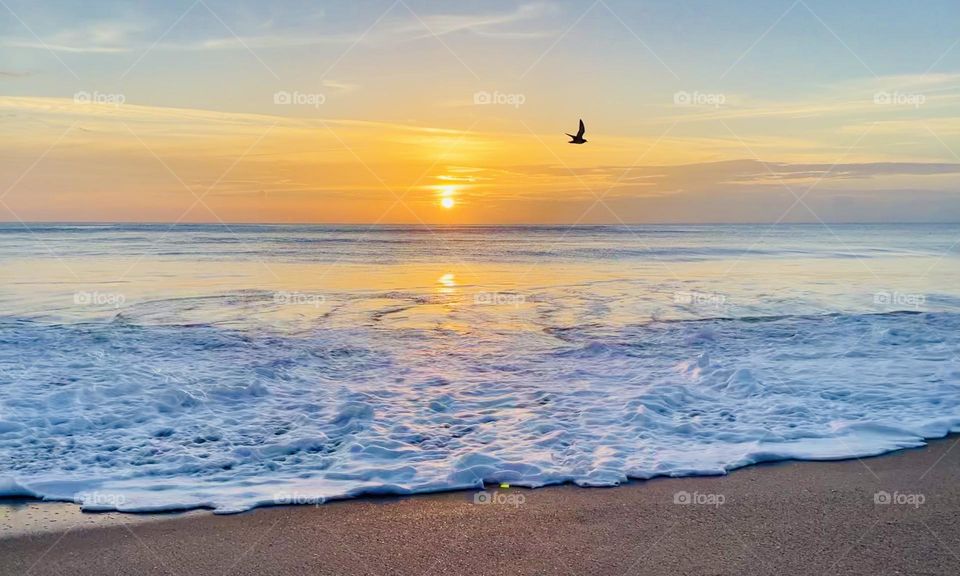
x: 578, y: 139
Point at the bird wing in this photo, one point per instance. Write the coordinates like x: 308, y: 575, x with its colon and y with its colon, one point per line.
x: 581, y: 131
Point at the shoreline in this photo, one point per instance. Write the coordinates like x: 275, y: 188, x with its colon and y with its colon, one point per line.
x: 27, y: 515
x: 788, y: 517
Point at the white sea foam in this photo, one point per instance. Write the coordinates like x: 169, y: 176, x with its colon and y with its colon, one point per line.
x: 145, y: 418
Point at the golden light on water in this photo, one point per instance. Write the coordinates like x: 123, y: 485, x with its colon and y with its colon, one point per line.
x: 447, y: 280
x: 448, y: 283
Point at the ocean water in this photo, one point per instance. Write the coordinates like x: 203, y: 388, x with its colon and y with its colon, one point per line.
x: 144, y: 367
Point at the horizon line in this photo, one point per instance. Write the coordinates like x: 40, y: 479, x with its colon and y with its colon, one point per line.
x: 26, y: 223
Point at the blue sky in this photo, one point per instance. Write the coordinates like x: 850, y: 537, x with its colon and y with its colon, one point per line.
x: 778, y: 82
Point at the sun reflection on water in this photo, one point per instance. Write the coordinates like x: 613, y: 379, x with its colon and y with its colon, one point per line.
x: 448, y: 281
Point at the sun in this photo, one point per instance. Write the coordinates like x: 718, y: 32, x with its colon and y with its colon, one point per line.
x: 447, y: 193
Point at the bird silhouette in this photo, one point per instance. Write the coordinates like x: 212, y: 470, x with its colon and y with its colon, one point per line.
x: 578, y: 139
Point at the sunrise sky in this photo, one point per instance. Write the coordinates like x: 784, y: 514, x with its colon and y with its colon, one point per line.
x: 454, y: 112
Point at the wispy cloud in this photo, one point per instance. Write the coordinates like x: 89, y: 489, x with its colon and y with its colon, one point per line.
x: 106, y: 37
x: 646, y: 180
x: 937, y: 92
x: 116, y: 36
x: 487, y: 24
x: 341, y: 87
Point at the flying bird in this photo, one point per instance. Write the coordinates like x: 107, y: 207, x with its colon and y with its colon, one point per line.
x: 578, y: 139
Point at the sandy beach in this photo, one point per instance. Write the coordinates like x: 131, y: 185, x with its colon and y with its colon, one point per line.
x: 894, y: 514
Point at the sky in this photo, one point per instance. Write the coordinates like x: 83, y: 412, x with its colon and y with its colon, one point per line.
x: 406, y: 111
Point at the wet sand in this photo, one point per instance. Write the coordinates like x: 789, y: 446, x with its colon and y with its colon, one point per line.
x: 786, y: 518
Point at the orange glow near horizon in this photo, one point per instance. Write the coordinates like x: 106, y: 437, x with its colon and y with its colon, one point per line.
x: 255, y: 168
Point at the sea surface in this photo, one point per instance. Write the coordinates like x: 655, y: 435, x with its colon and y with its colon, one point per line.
x: 150, y: 367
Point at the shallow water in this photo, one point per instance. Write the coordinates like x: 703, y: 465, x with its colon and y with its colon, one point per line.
x: 149, y: 368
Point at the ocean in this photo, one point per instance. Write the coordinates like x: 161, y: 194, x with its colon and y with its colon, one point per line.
x: 156, y: 367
